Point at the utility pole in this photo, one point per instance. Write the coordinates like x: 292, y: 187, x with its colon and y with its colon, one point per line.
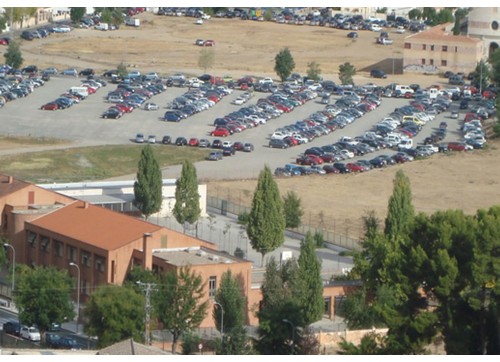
x: 147, y: 288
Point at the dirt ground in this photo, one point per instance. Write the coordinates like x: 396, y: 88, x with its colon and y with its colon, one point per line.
x: 166, y: 45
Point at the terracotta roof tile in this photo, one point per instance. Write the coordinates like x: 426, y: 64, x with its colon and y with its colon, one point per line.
x: 95, y: 225
x: 439, y: 32
x: 129, y: 347
x: 7, y: 188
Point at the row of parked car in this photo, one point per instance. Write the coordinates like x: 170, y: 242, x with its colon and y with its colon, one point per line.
x: 195, y: 100
x: 127, y: 97
x: 45, y: 31
x: 17, y: 85
x: 74, y: 95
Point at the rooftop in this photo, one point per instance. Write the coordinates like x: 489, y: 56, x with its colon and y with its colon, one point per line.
x: 442, y: 32
x: 194, y: 256
x: 97, y: 226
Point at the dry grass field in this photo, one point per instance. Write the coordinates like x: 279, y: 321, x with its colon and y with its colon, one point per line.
x: 166, y: 45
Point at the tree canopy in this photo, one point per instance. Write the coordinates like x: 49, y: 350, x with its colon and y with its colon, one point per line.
x: 13, y: 56
x: 266, y: 221
x: 346, y: 72
x: 115, y: 313
x: 148, y: 186
x: 206, y: 59
x: 293, y: 209
x: 179, y: 303
x: 76, y: 14
x: 43, y: 296
x: 284, y: 64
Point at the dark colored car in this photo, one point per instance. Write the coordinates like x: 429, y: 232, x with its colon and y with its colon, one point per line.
x: 112, y: 113
x: 217, y: 144
x: 342, y: 167
x: 215, y: 156
x: 13, y: 328
x: 86, y: 72
x: 228, y: 151
x: 181, y: 141
x: 275, y: 143
x: 27, y: 35
x: 172, y: 116
x: 248, y: 147
x: 352, y: 35
x: 377, y: 73
x: 58, y: 341
x: 166, y: 140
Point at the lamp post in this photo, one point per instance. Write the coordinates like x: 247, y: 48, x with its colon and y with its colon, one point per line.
x: 13, y: 270
x: 221, y: 319
x: 77, y: 295
x: 293, y: 332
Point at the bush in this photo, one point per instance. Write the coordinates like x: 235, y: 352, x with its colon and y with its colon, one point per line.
x: 243, y: 218
x: 318, y: 239
x: 190, y: 343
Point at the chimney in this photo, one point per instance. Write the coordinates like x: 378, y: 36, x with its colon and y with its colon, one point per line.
x: 147, y: 251
x: 11, y: 179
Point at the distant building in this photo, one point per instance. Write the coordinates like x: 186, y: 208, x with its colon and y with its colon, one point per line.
x: 437, y: 49
x: 484, y: 24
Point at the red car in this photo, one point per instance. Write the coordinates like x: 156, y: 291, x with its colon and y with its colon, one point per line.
x: 126, y: 108
x: 90, y: 89
x: 209, y: 43
x: 220, y: 132
x: 52, y: 106
x: 4, y: 41
x: 355, y: 167
x: 309, y: 160
x: 456, y: 146
x: 194, y: 142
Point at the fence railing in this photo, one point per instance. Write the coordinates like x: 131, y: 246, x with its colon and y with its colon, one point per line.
x: 343, y: 233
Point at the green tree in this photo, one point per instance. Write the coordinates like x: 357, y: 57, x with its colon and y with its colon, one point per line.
x: 482, y: 75
x: 293, y: 209
x: 284, y: 64
x: 313, y: 303
x: 138, y: 274
x: 460, y: 15
x: 106, y: 15
x: 429, y: 14
x: 179, y: 302
x: 122, y: 70
x: 148, y: 186
x: 13, y: 56
x: 20, y: 14
x: 115, y: 313
x: 280, y: 302
x: 346, y: 72
x: 206, y: 59
x: 266, y: 222
x: 400, y: 211
x: 313, y: 71
x: 187, y: 198
x: 76, y: 14
x: 3, y: 23
x: 231, y: 297
x: 43, y: 296
x: 444, y: 16
x: 495, y: 67
x: 3, y: 253
x: 415, y: 14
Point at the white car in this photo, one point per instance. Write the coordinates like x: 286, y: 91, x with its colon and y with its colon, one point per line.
x: 266, y: 80
x: 30, y: 333
x: 199, y: 21
x: 150, y: 106
x: 239, y: 101
x: 400, y: 30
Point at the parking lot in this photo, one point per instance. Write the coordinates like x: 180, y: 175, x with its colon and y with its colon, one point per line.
x: 83, y: 125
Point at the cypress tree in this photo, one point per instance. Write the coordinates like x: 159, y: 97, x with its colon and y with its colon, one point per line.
x: 187, y: 199
x: 310, y: 273
x: 147, y: 187
x: 400, y: 211
x: 266, y: 221
x: 293, y: 209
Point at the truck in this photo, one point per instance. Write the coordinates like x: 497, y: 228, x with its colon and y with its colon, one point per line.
x: 81, y: 91
x: 384, y: 41
x: 102, y: 26
x: 133, y: 22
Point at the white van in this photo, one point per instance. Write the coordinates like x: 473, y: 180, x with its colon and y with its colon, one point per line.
x: 392, y: 140
x: 81, y: 91
x: 403, y: 88
x: 405, y: 144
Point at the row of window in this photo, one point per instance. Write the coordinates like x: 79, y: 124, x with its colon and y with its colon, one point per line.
x: 58, y: 251
x: 444, y: 63
x: 444, y: 48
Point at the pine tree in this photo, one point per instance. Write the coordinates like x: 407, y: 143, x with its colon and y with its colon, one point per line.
x: 187, y: 199
x: 310, y: 273
x: 148, y: 186
x: 266, y: 222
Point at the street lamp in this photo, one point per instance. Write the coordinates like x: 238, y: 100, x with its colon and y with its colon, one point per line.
x: 13, y: 270
x: 77, y: 295
x: 293, y: 332
x: 221, y: 319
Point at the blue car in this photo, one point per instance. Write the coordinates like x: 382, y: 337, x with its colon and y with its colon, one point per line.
x: 171, y: 116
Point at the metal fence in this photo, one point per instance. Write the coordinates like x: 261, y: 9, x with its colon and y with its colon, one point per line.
x: 345, y: 233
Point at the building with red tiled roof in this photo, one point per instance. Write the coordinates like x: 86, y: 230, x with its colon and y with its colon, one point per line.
x: 437, y: 48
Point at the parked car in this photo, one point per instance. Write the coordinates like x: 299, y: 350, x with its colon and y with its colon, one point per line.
x: 377, y: 73
x: 58, y: 341
x: 13, y: 328
x: 86, y: 72
x: 181, y: 141
x: 150, y: 106
x: 203, y: 143
x: 215, y: 156
x: 248, y: 147
x: 30, y: 333
x: 277, y: 143
x: 139, y: 138
x: 166, y: 140
x: 70, y: 72
x: 51, y: 106
x: 194, y: 142
x: 281, y: 171
x: 151, y: 139
x: 352, y: 35
x: 220, y: 132
x: 112, y: 113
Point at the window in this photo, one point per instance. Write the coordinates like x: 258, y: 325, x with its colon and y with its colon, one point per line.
x: 456, y: 49
x: 444, y: 63
x: 44, y: 243
x: 431, y: 62
x: 423, y: 61
x: 31, y: 238
x: 212, y: 286
x: 86, y: 258
x: 99, y: 263
x: 424, y: 47
x: 407, y: 45
x: 432, y: 47
x: 58, y: 248
x: 445, y: 48
x: 71, y: 253
x: 494, y: 25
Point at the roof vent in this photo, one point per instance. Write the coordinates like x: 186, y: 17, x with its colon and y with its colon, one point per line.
x: 201, y: 253
x: 213, y: 257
